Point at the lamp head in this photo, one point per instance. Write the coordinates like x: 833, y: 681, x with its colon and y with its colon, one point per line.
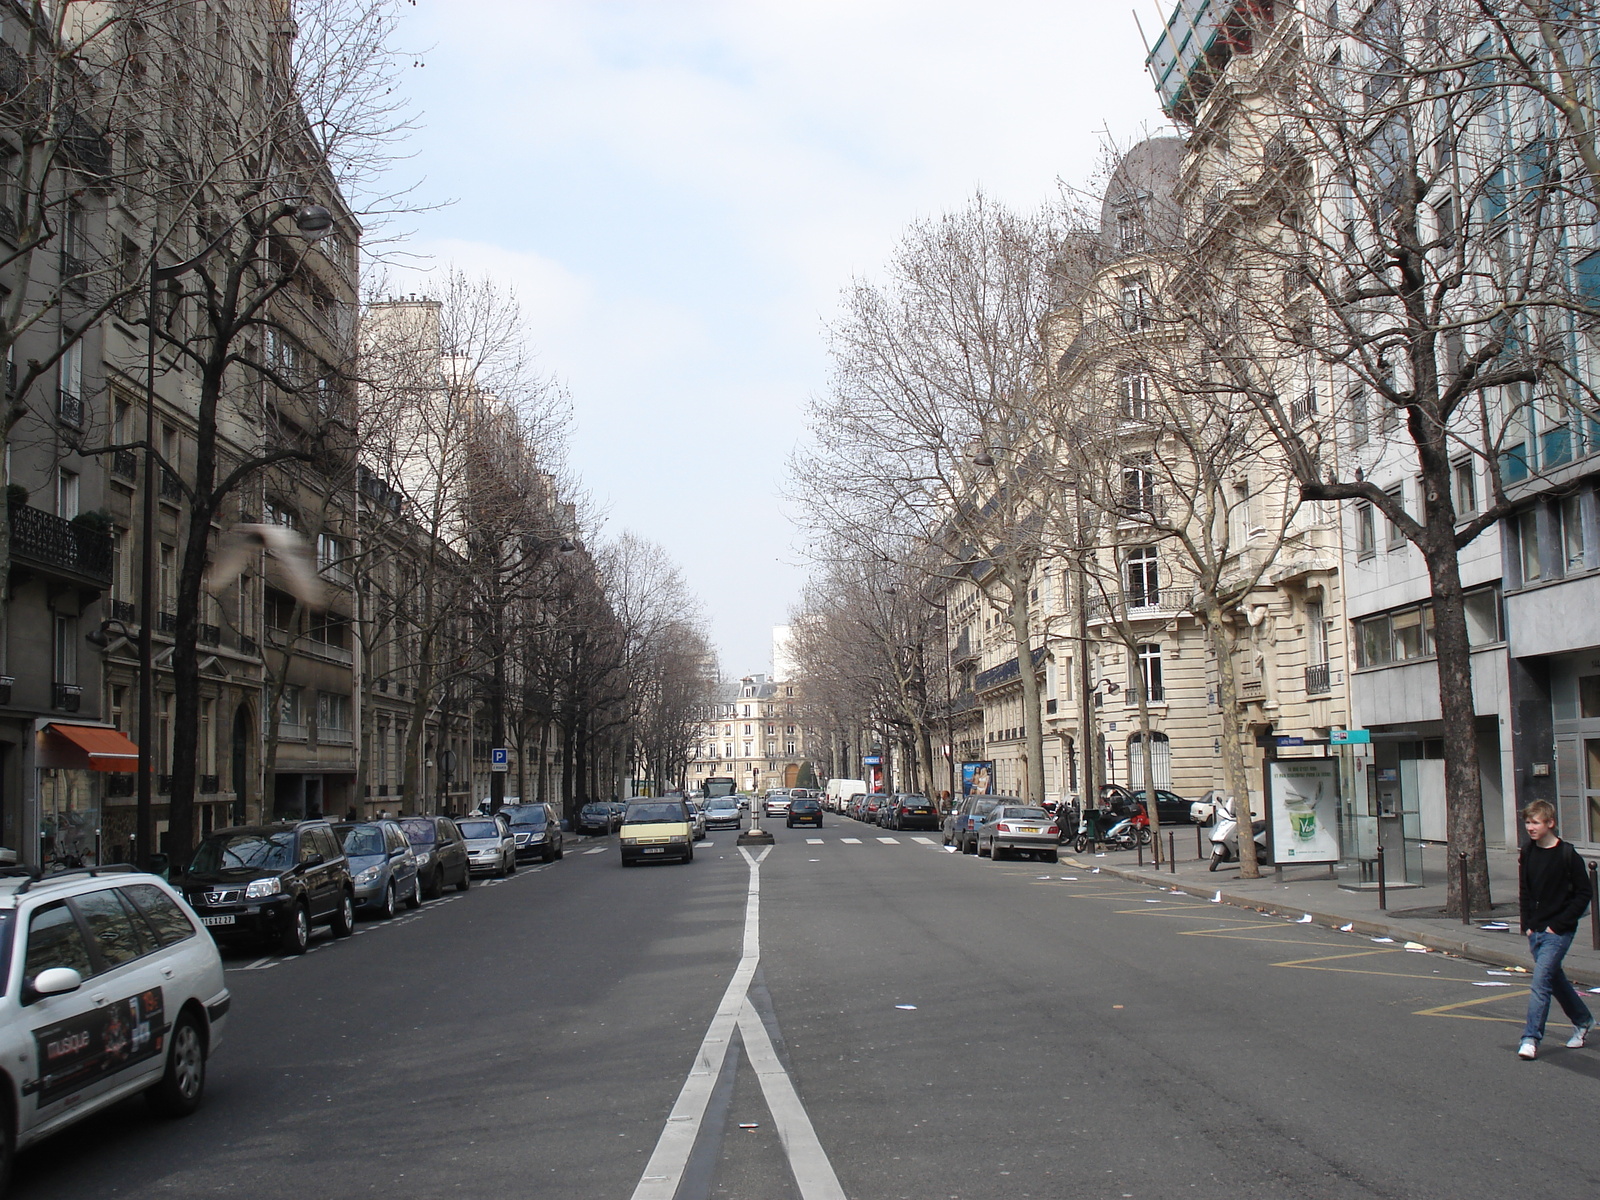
x: 313, y: 221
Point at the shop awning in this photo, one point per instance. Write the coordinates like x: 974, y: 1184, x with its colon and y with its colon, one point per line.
x: 108, y: 749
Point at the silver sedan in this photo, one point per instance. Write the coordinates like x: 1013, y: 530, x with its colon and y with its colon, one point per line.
x: 1011, y: 829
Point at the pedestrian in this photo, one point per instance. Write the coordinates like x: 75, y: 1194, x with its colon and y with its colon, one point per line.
x: 1553, y: 886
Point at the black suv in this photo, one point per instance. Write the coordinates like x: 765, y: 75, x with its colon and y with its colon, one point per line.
x: 273, y: 882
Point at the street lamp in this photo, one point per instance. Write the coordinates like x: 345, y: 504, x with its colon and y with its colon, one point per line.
x: 313, y: 222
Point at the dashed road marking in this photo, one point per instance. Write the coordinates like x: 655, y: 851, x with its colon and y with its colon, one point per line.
x: 926, y: 841
x: 596, y: 850
x: 889, y: 841
x: 814, y: 841
x: 851, y: 841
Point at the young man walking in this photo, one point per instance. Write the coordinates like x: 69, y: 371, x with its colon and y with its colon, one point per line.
x: 1554, y: 890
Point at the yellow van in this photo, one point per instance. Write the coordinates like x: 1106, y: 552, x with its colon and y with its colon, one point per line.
x: 656, y: 829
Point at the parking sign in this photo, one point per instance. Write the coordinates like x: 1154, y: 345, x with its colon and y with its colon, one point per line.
x: 499, y: 759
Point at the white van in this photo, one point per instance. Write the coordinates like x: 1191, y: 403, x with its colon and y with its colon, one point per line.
x: 840, y: 791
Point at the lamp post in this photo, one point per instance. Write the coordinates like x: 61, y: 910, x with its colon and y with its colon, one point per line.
x: 313, y: 221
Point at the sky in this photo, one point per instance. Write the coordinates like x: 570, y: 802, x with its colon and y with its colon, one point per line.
x: 679, y: 191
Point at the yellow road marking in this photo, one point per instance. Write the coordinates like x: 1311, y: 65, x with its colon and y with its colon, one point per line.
x: 1449, y: 1010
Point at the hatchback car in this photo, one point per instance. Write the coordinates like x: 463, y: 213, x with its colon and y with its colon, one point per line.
x: 595, y: 819
x: 968, y: 817
x: 657, y: 829
x: 441, y: 854
x: 383, y: 867
x: 537, y: 831
x: 115, y: 991
x: 871, y: 805
x: 272, y: 882
x: 1010, y: 829
x: 491, y: 850
x: 909, y: 811
x: 804, y: 811
x: 723, y: 812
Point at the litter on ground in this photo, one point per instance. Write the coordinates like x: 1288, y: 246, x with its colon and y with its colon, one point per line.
x: 1389, y: 941
x: 907, y: 1007
x: 1495, y: 925
x: 1347, y: 928
x: 1489, y: 983
x: 1416, y: 947
x: 1305, y: 920
x: 1217, y: 899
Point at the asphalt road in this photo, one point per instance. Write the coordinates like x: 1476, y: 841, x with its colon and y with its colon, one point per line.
x: 916, y: 1024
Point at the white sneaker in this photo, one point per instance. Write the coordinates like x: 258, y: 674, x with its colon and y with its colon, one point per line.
x: 1528, y: 1049
x: 1575, y: 1042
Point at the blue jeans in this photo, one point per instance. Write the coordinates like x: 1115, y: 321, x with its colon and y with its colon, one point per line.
x: 1548, y: 949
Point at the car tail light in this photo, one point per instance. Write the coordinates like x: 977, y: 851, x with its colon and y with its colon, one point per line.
x: 1053, y: 831
x: 1002, y: 828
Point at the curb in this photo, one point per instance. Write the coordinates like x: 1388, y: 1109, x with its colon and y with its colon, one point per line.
x: 1461, y: 947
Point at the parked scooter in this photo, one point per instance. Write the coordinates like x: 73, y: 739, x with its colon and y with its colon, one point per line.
x: 1132, y: 830
x: 1225, y: 836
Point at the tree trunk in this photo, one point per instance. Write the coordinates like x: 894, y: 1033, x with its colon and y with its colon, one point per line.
x: 1032, y: 715
x: 1235, y: 781
x: 1149, y: 780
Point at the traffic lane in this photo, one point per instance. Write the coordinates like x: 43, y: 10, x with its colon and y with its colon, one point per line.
x: 530, y: 1033
x: 1064, y: 1037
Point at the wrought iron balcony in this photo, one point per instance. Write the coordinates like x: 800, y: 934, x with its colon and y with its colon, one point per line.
x: 210, y: 785
x: 65, y: 547
x: 125, y: 611
x: 248, y: 645
x: 122, y: 783
x: 209, y: 635
x: 125, y: 465
x: 171, y: 487
x: 66, y: 696
x: 69, y: 408
x: 1319, y: 679
x: 166, y: 623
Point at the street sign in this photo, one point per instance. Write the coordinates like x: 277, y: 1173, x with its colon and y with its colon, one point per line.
x: 872, y: 760
x: 1287, y: 740
x: 1349, y: 737
x: 500, y: 759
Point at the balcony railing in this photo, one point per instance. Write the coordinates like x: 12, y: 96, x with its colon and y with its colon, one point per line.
x: 209, y: 635
x: 166, y: 623
x: 66, y: 696
x: 328, y: 651
x: 210, y: 785
x: 171, y: 487
x: 1145, y: 603
x: 1319, y: 679
x: 122, y: 783
x: 69, y: 408
x: 248, y: 645
x: 289, y: 731
x: 125, y: 611
x: 335, y: 737
x: 46, y: 540
x: 125, y: 465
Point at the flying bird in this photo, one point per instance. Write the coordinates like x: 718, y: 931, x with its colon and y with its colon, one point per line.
x: 284, y: 544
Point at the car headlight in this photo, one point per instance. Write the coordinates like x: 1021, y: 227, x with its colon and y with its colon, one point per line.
x: 424, y: 857
x: 679, y: 837
x: 630, y: 841
x: 368, y: 876
x: 260, y: 889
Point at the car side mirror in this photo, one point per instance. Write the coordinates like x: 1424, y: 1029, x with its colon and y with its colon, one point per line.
x: 398, y: 852
x: 313, y: 860
x: 52, y: 981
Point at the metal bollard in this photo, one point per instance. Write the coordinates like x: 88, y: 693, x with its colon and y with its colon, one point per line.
x: 1139, y: 846
x: 1383, y: 889
x: 1199, y: 846
x: 1172, y: 854
x: 1594, y: 904
x: 1466, y: 895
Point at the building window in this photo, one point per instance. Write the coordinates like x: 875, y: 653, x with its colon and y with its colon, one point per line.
x: 1366, y: 531
x: 1138, y: 486
x: 1142, y: 571
x: 1464, y: 487
x: 789, y: 749
x: 1239, y: 515
x: 1155, y: 691
x: 1134, y: 386
x: 1570, y: 513
x: 1316, y: 635
x: 1396, y: 538
x: 1135, y: 300
x: 1358, y: 417
x: 1160, y: 761
x: 67, y: 494
x: 747, y: 730
x: 66, y: 649
x: 1483, y: 616
x: 1528, y: 545
x: 1130, y: 230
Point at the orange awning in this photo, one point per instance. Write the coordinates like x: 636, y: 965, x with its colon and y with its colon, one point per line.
x: 108, y: 749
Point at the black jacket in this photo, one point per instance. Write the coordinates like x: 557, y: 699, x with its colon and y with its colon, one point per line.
x: 1554, y: 887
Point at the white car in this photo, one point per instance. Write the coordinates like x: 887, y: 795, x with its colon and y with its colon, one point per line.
x: 114, y: 988
x: 776, y: 803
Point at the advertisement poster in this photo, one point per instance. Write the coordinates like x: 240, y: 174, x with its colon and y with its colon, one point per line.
x: 977, y: 777
x: 1303, y: 810
x: 76, y: 1052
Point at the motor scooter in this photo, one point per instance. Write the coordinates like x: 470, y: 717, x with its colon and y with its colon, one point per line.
x: 1225, y: 836
x: 1130, y: 831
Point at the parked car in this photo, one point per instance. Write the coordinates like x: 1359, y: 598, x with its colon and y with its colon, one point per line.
x: 441, y: 854
x: 155, y: 1007
x: 596, y: 819
x: 870, y: 806
x: 383, y: 867
x: 1171, y: 808
x: 806, y: 810
x: 910, y: 811
x: 656, y: 828
x: 1009, y: 829
x: 491, y: 850
x: 1204, y: 810
x: 968, y: 816
x: 697, y: 819
x: 537, y: 831
x: 723, y: 812
x: 272, y: 882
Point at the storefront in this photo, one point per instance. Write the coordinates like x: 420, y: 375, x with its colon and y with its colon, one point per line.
x: 72, y: 761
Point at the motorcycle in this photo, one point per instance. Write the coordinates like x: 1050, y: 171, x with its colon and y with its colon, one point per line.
x: 1133, y: 829
x: 1225, y: 836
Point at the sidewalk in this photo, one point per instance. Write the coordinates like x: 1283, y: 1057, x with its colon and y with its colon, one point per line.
x: 1308, y: 889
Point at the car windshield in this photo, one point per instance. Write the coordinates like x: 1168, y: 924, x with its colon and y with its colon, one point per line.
x: 479, y: 829
x: 268, y: 851
x: 913, y: 799
x: 526, y: 816
x: 654, y: 813
x: 804, y: 805
x: 595, y: 809
x: 420, y: 831
x: 362, y: 841
x: 721, y: 804
x: 1025, y: 814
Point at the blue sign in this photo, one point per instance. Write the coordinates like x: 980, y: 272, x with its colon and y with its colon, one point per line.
x: 1349, y: 737
x: 499, y: 759
x: 1289, y: 741
x: 872, y: 760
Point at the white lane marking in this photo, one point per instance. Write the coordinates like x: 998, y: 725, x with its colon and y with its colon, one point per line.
x: 664, y: 1171
x: 890, y: 841
x: 923, y: 840
x: 813, y: 1173
x: 596, y: 850
x: 813, y: 841
x: 851, y: 841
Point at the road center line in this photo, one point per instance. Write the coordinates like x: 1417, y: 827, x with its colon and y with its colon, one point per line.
x: 664, y: 1171
x: 813, y: 1173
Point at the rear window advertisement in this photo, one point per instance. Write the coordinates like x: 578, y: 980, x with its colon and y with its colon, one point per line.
x: 76, y: 1052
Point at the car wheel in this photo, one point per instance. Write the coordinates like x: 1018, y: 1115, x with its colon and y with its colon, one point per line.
x: 465, y: 881
x: 344, y: 917
x: 391, y: 903
x: 561, y: 847
x: 183, y: 1085
x: 500, y: 872
x: 981, y: 854
x: 414, y: 900
x: 511, y: 868
x: 435, y: 887
x: 297, y: 938
x: 996, y: 852
x: 627, y: 862
x: 688, y: 855
x: 8, y: 1147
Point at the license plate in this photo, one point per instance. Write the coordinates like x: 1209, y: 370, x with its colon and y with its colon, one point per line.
x: 1030, y: 829
x: 228, y: 919
x: 655, y: 850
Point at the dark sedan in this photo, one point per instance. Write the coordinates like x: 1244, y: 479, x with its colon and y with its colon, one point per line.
x: 805, y: 811
x: 906, y: 811
x: 596, y: 819
x: 1171, y: 808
